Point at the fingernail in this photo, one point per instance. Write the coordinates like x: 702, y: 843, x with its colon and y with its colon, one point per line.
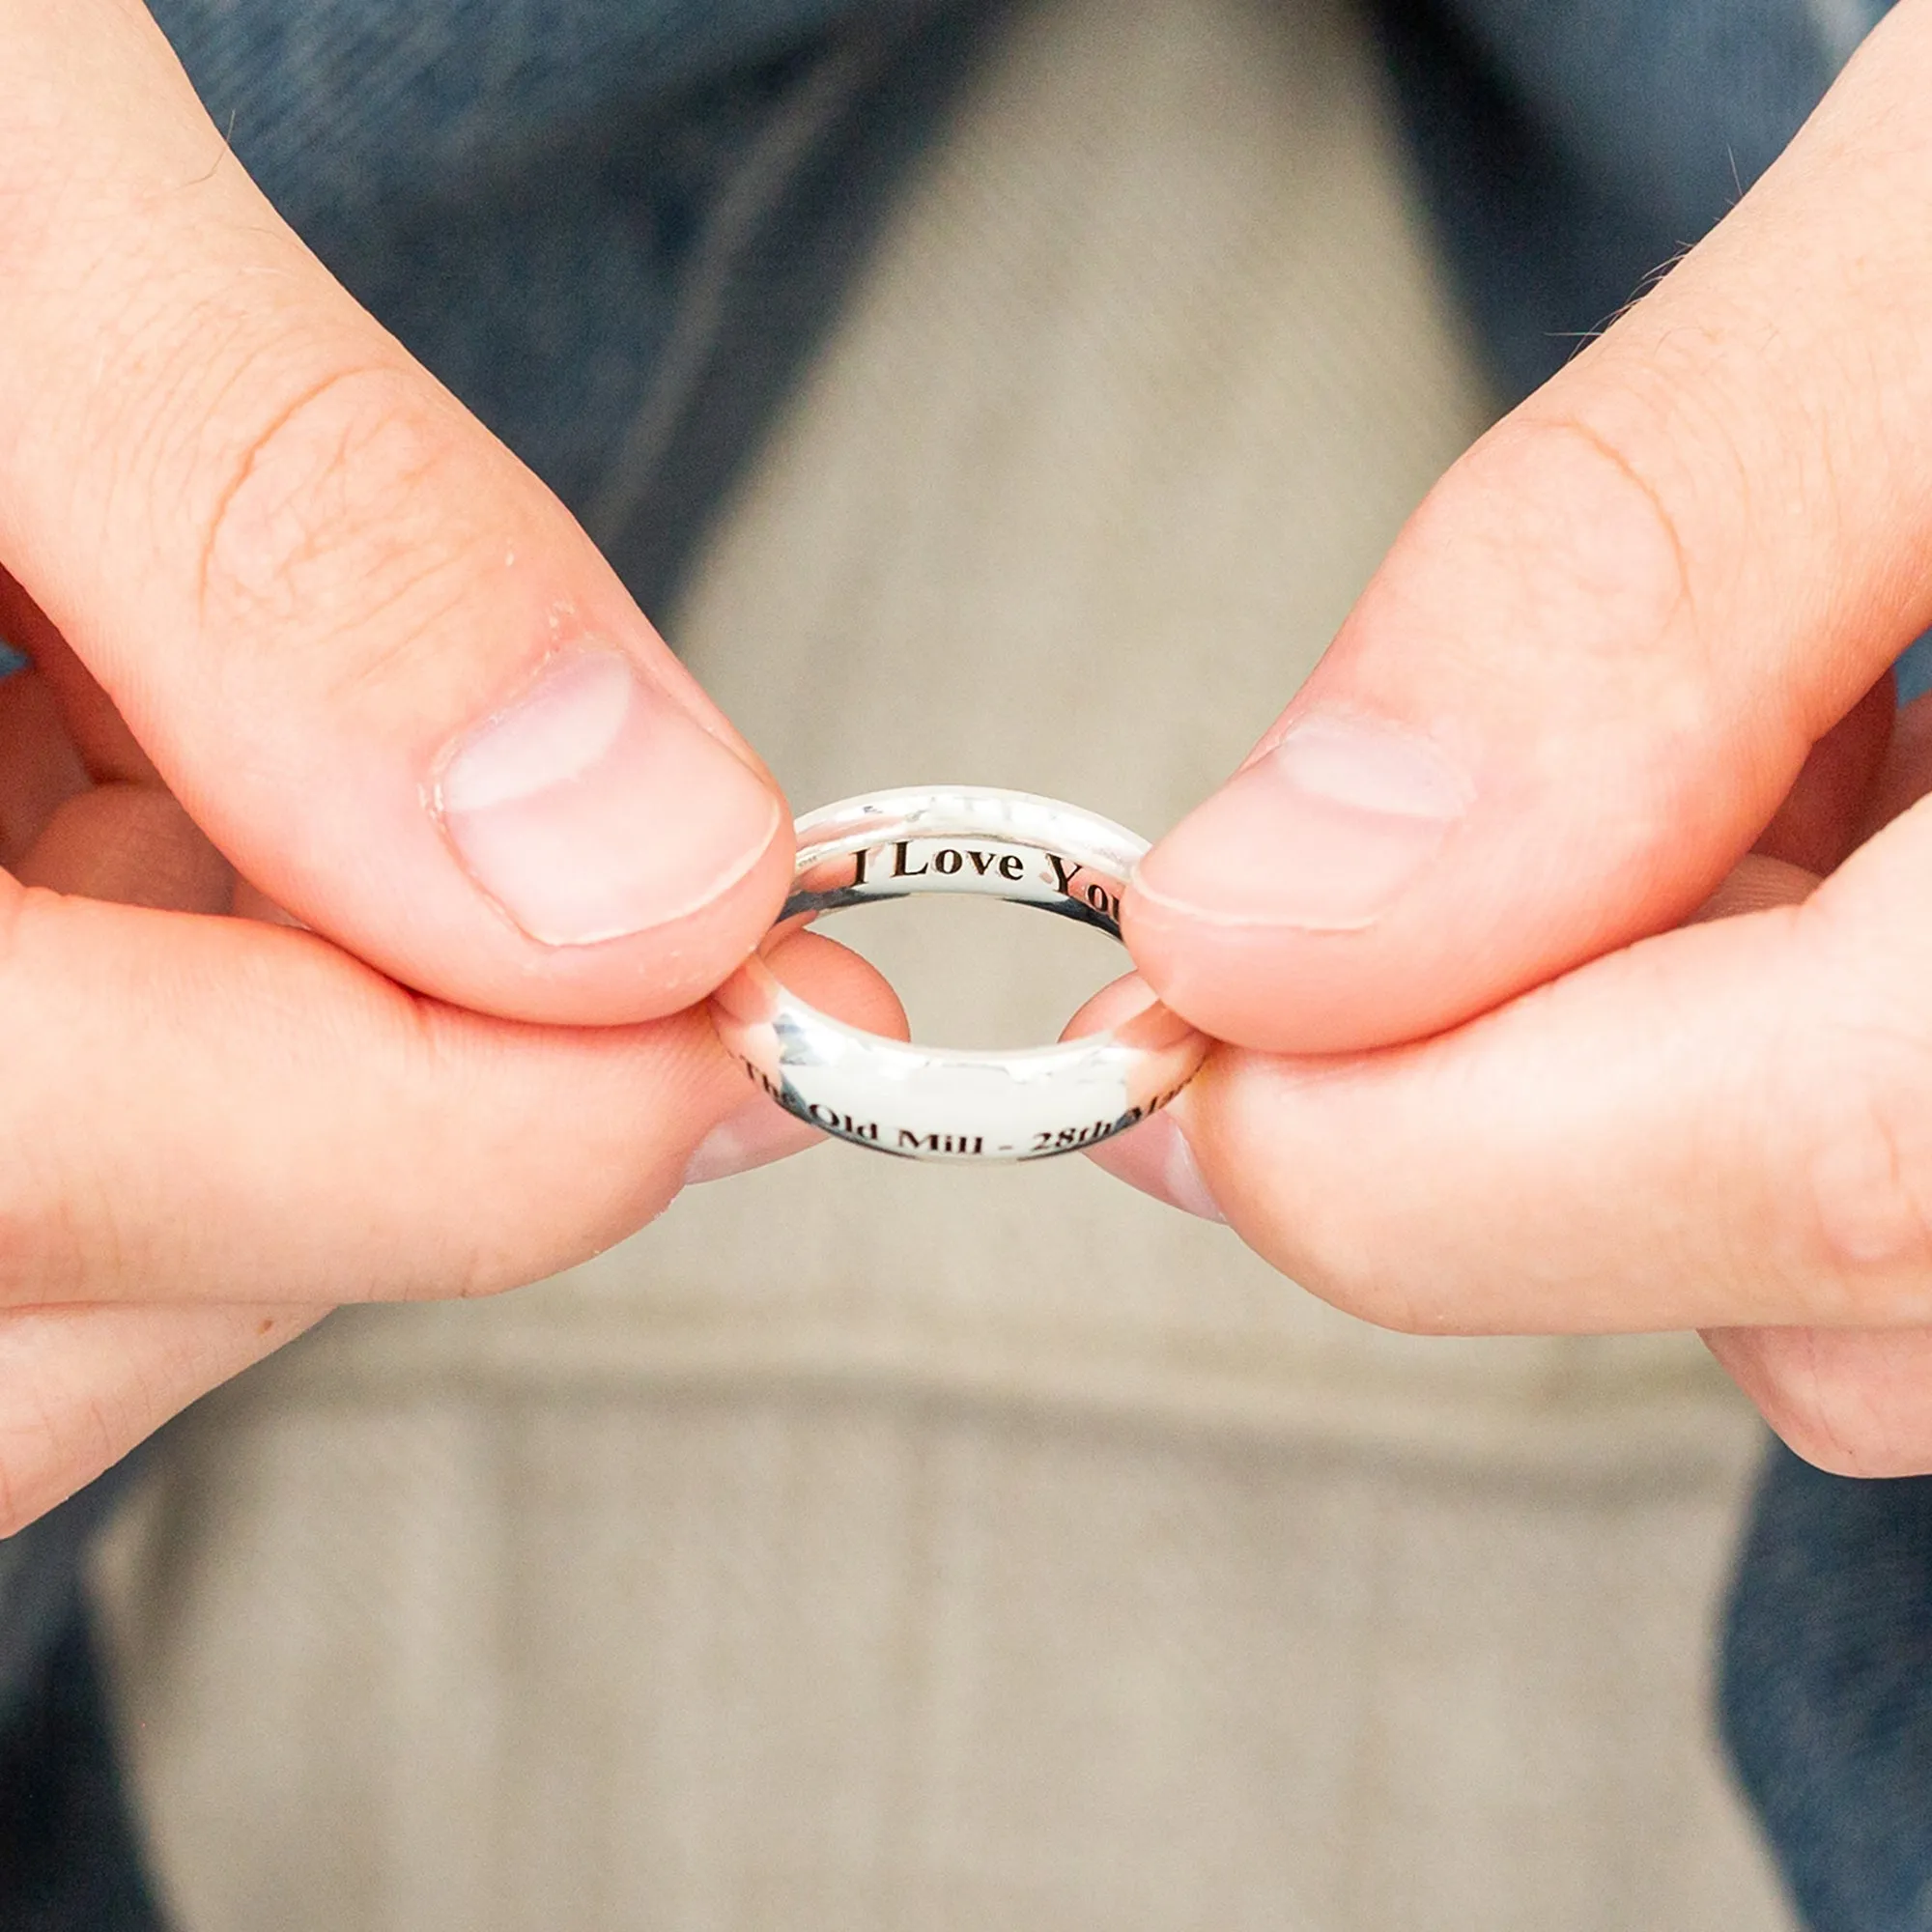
x: 1155, y: 1157
x: 1325, y: 831
x: 593, y: 805
x: 757, y: 1134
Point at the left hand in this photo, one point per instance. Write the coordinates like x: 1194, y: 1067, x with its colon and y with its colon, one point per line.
x: 1492, y: 1071
x: 236, y: 1123
x: 287, y: 604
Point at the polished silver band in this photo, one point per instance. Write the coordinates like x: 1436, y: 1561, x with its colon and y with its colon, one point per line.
x: 941, y: 1104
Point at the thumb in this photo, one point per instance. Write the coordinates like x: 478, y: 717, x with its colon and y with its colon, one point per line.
x: 1597, y: 659
x: 373, y: 657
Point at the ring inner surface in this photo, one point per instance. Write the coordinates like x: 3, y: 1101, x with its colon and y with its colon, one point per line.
x: 936, y: 1103
x: 1075, y: 885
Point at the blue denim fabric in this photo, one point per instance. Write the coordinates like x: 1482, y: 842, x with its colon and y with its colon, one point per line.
x: 1571, y: 150
x: 1915, y: 671
x: 612, y: 226
x: 69, y: 1859
x: 1827, y: 1691
x: 615, y: 227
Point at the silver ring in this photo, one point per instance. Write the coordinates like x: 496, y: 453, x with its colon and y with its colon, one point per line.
x: 940, y: 1103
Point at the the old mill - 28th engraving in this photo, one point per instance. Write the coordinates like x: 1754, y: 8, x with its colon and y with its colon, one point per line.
x: 910, y: 1142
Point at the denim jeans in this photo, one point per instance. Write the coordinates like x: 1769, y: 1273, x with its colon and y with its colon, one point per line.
x: 616, y: 227
x: 1827, y: 1691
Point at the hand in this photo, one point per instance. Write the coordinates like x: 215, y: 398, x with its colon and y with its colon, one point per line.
x: 1489, y: 1070
x: 295, y: 616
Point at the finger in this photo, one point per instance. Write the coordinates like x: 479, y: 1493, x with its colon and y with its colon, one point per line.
x: 835, y: 979
x: 1153, y: 1156
x: 1595, y: 661
x: 79, y: 1387
x: 1854, y: 1403
x: 371, y: 655
x: 1727, y: 1126
x: 209, y: 1109
x: 1156, y: 1158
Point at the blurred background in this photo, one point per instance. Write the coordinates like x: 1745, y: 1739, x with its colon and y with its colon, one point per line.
x: 870, y: 1546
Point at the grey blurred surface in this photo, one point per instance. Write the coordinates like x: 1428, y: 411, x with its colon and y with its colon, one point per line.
x: 870, y: 1546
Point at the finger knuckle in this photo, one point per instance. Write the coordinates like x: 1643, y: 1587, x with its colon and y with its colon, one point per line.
x: 1597, y: 550
x: 1863, y: 1166
x: 340, y: 522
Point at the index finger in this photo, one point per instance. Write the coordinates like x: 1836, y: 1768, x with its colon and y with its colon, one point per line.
x: 1725, y: 1125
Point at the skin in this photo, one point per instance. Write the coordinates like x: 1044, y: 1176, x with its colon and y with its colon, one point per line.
x: 267, y: 1046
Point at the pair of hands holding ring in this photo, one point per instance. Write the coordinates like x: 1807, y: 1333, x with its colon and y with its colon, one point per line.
x: 369, y: 862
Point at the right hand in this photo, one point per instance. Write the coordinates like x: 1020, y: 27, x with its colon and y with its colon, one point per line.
x: 1489, y: 1071
x: 293, y: 612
